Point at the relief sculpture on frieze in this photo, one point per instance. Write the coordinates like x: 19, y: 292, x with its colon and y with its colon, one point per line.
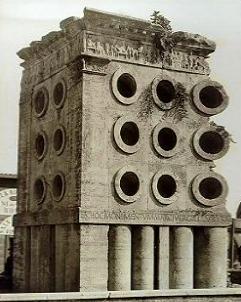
x: 144, y: 54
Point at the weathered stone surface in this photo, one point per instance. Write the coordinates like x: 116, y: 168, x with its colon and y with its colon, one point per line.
x: 93, y: 258
x: 181, y: 258
x: 114, y: 172
x: 196, y: 42
x: 143, y: 258
x: 197, y: 295
x: 163, y: 261
x: 119, y: 258
x: 210, y: 248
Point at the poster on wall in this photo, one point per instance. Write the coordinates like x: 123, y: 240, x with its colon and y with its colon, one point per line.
x: 8, y: 198
x: 6, y: 226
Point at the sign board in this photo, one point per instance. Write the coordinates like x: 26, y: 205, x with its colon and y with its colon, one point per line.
x: 6, y: 226
x: 8, y: 201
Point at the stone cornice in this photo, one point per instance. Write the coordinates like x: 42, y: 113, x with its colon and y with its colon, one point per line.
x: 108, y: 24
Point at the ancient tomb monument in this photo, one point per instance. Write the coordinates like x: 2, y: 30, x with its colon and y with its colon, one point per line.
x: 116, y: 155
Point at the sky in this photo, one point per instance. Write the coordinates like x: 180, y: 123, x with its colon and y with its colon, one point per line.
x: 22, y: 21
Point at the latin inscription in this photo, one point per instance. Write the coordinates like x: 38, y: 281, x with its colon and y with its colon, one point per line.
x: 157, y: 217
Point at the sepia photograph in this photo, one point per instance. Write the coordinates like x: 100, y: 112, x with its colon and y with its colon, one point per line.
x: 120, y: 152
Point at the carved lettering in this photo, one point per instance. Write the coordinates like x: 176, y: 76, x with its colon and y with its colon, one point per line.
x: 142, y: 217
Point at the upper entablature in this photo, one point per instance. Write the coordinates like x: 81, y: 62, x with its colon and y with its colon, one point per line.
x: 123, y: 38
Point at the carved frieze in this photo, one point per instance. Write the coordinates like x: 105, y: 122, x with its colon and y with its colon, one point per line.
x: 144, y: 53
x: 182, y: 61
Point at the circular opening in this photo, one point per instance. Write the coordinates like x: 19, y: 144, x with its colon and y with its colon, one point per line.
x: 165, y: 91
x: 126, y: 85
x: 58, y: 187
x: 58, y: 93
x: 210, y: 188
x: 211, y: 142
x: 167, y: 139
x: 39, y: 190
x: 166, y: 186
x: 129, y: 183
x: 129, y: 133
x: 211, y: 97
x: 59, y: 140
x: 40, y: 102
x: 40, y: 145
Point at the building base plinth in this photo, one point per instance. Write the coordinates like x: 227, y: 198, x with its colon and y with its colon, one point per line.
x: 173, y: 295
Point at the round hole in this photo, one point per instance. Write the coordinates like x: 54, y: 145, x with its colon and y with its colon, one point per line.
x: 59, y: 94
x: 58, y: 187
x: 40, y: 102
x: 165, y: 91
x: 210, y: 188
x: 126, y: 134
x: 39, y: 190
x: 129, y: 133
x: 166, y: 186
x: 129, y: 183
x: 40, y: 145
x: 211, y: 142
x: 59, y: 140
x: 167, y: 139
x: 126, y: 85
x: 211, y: 97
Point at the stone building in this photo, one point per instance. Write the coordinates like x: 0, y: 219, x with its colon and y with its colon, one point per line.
x: 116, y: 183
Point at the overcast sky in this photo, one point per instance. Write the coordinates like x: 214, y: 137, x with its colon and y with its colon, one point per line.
x: 22, y: 21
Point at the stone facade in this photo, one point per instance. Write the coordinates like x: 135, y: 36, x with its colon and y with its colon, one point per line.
x: 116, y: 183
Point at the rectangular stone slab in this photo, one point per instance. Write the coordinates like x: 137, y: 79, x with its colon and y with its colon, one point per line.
x: 197, y: 295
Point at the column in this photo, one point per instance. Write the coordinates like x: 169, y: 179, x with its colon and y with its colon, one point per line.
x: 143, y: 257
x: 119, y: 258
x: 181, y: 268
x: 211, y: 246
x: 163, y: 258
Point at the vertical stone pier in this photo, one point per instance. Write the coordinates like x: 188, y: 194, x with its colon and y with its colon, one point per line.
x: 181, y: 269
x: 94, y: 256
x: 211, y: 247
x: 119, y: 258
x: 163, y: 256
x: 143, y: 257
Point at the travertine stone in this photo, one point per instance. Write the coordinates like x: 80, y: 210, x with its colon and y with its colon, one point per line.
x: 181, y: 268
x: 60, y: 257
x: 126, y: 97
x: 34, y: 262
x: 119, y: 258
x: 21, y: 251
x: 210, y: 265
x: 66, y: 256
x: 93, y: 257
x: 46, y: 255
x: 143, y: 257
x: 72, y: 256
x: 198, y: 295
x: 163, y: 257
